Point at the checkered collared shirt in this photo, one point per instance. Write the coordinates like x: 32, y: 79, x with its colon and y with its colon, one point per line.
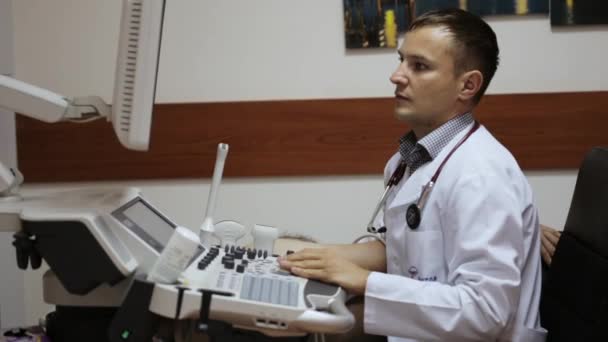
x: 416, y: 153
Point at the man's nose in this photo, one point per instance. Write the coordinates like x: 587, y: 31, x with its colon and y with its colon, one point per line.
x: 398, y: 77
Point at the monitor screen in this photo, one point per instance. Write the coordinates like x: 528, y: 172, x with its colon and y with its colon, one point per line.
x: 136, y: 71
x: 134, y: 82
x: 144, y: 221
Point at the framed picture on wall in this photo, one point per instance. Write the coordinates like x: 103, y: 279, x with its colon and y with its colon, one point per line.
x: 374, y: 23
x: 579, y: 12
x: 487, y: 7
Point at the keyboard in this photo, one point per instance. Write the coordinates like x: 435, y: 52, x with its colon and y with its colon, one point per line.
x: 250, y: 291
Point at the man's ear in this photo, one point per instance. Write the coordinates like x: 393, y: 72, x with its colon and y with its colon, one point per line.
x: 470, y: 84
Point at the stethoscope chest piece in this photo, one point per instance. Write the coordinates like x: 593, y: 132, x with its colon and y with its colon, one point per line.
x: 412, y: 216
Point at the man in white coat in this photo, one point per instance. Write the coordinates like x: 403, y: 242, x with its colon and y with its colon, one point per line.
x: 461, y: 260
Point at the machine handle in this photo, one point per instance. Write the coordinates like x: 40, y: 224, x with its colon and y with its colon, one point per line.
x: 339, y: 320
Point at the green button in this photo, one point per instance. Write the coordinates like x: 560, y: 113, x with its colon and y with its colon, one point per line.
x: 125, y: 334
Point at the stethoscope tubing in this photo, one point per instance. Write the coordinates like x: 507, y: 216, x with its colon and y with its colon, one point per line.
x: 422, y: 199
x: 381, y: 202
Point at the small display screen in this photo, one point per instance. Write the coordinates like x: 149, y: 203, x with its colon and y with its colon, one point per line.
x: 153, y: 224
x: 145, y: 222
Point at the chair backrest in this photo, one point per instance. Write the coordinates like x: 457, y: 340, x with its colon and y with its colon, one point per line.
x: 574, y: 305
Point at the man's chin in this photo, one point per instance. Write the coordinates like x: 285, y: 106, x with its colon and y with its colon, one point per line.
x: 404, y: 114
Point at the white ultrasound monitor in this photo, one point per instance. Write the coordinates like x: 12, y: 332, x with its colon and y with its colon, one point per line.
x: 136, y: 71
x: 134, y: 82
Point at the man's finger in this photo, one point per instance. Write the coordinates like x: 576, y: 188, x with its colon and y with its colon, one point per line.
x: 305, y: 254
x: 308, y: 264
x: 284, y: 264
x: 551, y: 249
x: 545, y: 243
x: 309, y: 273
x: 546, y: 257
x: 552, y: 238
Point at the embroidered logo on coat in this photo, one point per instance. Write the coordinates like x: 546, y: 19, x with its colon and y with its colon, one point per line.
x: 413, y: 271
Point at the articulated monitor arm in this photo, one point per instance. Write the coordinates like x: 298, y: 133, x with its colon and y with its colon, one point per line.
x: 41, y: 104
x: 10, y: 179
x: 44, y: 105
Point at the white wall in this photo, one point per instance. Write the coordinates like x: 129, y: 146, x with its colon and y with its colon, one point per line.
x: 233, y: 50
x: 11, y: 278
x: 272, y: 49
x: 6, y: 38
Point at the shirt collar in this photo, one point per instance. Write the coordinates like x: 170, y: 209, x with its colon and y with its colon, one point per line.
x: 435, y: 141
x: 418, y: 152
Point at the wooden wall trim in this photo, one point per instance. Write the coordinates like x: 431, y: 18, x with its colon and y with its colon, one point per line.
x: 300, y: 138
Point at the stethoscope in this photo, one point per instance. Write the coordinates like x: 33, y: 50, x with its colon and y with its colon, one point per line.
x: 413, y: 214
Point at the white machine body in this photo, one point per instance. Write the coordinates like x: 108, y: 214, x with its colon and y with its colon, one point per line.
x: 129, y: 230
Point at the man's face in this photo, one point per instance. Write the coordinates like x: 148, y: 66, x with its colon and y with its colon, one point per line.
x: 427, y: 87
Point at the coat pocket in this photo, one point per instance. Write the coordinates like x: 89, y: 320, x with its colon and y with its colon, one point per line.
x: 424, y: 255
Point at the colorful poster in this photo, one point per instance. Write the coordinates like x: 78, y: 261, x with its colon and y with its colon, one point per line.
x: 374, y: 23
x: 579, y: 12
x: 487, y: 7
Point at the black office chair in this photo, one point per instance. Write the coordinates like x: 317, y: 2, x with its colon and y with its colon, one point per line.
x: 574, y: 304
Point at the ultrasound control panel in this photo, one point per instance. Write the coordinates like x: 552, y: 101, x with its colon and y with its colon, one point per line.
x: 251, y: 291
x: 248, y: 274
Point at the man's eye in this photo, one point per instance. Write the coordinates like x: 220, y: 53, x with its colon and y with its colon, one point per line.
x: 401, y: 59
x: 420, y: 66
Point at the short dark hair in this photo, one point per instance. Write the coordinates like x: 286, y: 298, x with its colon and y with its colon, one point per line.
x: 475, y: 41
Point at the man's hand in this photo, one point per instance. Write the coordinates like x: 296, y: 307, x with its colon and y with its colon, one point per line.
x: 549, y: 239
x: 325, y: 265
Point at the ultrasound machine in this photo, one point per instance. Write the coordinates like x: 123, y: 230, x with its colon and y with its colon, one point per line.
x: 101, y: 243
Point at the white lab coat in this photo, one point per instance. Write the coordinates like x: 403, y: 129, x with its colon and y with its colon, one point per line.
x: 471, y: 271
